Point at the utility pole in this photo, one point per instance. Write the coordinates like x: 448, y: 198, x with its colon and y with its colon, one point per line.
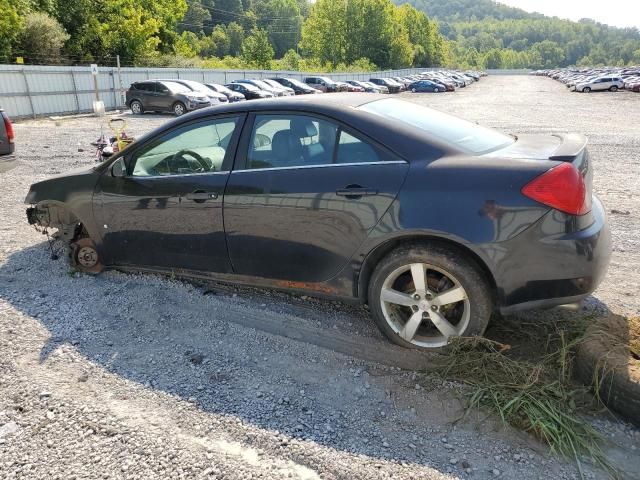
x: 120, y: 99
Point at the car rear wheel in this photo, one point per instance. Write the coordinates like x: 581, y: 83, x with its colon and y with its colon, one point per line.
x: 614, y: 88
x: 136, y: 107
x: 413, y: 90
x: 179, y: 109
x: 586, y: 90
x: 423, y: 295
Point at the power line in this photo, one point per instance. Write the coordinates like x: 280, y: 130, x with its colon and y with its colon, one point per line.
x: 240, y: 15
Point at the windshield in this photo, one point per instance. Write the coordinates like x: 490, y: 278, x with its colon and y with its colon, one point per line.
x: 249, y: 87
x: 218, y: 88
x: 273, y: 84
x: 262, y: 85
x: 464, y: 135
x: 327, y: 80
x: 176, y: 87
x: 195, y: 86
x: 297, y: 83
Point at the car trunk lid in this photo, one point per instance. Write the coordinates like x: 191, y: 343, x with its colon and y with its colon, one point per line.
x: 566, y: 148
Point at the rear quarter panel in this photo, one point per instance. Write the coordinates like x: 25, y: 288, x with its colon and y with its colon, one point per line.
x: 474, y: 202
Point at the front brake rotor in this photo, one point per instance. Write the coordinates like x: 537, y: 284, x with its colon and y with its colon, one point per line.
x: 85, y: 256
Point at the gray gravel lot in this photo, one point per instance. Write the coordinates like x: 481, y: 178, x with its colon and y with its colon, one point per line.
x: 140, y: 377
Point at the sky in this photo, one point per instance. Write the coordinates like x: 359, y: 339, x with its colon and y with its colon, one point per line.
x: 620, y: 13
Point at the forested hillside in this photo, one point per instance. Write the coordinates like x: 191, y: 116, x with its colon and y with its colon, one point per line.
x: 282, y: 34
x: 486, y: 34
x: 303, y: 35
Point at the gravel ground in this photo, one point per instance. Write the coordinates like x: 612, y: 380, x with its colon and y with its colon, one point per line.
x: 133, y: 376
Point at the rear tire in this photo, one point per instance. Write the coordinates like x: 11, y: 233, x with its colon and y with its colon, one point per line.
x: 421, y: 316
x: 136, y: 107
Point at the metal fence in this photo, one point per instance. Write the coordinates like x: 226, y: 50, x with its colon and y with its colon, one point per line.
x: 33, y: 91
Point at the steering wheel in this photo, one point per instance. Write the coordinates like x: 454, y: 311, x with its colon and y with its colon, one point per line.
x: 180, y: 155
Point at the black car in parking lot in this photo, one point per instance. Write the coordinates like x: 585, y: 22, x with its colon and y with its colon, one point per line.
x: 164, y: 96
x: 296, y: 85
x: 200, y: 88
x: 431, y: 220
x: 249, y: 91
x: 230, y: 94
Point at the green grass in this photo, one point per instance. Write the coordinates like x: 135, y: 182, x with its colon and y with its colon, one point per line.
x: 532, y: 392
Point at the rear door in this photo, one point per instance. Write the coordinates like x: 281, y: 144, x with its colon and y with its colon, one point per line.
x: 146, y: 91
x: 161, y: 97
x: 305, y: 197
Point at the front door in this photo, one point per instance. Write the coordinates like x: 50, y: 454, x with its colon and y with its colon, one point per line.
x: 167, y: 211
x: 305, y: 198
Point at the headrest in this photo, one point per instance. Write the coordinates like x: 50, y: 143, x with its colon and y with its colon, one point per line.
x: 303, y: 127
x: 285, y: 146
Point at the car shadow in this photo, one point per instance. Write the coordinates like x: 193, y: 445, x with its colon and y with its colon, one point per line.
x: 169, y: 337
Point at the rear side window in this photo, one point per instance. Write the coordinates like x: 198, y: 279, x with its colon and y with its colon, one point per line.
x: 353, y: 150
x: 291, y: 141
x: 458, y: 133
x: 145, y: 87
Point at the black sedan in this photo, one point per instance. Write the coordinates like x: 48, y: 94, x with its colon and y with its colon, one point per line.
x: 298, y: 87
x: 431, y: 220
x: 250, y: 92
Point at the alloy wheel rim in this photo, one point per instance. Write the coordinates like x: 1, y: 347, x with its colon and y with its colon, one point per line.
x: 135, y: 107
x: 425, y: 305
x: 178, y: 109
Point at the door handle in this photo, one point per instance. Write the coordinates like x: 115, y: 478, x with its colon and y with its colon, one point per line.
x: 201, y: 196
x: 356, y: 191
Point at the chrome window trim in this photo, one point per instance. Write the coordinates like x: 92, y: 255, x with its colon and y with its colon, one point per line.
x: 226, y: 172
x: 301, y: 167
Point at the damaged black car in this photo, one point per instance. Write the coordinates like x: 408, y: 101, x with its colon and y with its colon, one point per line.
x: 431, y: 220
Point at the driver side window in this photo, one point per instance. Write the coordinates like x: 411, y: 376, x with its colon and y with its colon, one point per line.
x: 192, y: 149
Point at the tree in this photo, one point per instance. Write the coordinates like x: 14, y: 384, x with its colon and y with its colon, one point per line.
x: 550, y: 52
x: 10, y: 26
x: 220, y: 41
x: 195, y: 18
x: 493, y: 59
x: 282, y: 21
x: 187, y: 45
x: 129, y: 31
x: 290, y: 61
x: 235, y: 33
x: 324, y: 31
x: 42, y: 38
x: 256, y: 49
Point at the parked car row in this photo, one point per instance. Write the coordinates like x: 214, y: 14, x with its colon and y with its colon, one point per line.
x: 587, y: 80
x: 181, y: 96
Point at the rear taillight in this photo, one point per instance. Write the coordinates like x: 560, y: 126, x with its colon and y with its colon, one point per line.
x: 561, y: 188
x: 8, y: 127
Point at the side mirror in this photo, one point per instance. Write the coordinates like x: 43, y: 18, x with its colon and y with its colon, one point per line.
x: 118, y: 168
